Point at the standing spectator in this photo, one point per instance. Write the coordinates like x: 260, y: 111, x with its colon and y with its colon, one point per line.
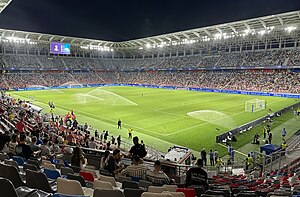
x: 229, y: 147
x: 216, y: 154
x: 211, y: 158
x: 137, y: 149
x: 77, y: 158
x: 119, y: 124
x: 130, y: 132
x: 119, y: 141
x: 105, y: 136
x: 270, y: 137
x: 156, y: 176
x: 197, y: 175
x: 203, y: 156
x: 232, y: 154
x: 20, y: 126
x: 283, y: 133
x: 113, y: 139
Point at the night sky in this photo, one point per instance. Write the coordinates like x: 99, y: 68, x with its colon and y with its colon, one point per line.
x: 120, y: 20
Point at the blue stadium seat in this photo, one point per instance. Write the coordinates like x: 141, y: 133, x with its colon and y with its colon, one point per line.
x: 19, y: 160
x: 51, y: 174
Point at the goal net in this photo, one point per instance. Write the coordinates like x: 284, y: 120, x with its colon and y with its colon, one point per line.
x: 255, y: 105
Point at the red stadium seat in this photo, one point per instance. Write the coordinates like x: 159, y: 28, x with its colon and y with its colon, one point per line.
x: 188, y: 192
x: 87, y: 176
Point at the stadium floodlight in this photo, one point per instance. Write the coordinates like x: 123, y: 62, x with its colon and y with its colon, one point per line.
x: 290, y: 29
x: 141, y: 48
x: 148, y: 45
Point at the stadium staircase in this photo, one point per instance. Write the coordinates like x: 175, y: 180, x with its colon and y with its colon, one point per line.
x: 294, y: 142
x: 285, y: 63
x: 38, y: 61
x: 64, y: 63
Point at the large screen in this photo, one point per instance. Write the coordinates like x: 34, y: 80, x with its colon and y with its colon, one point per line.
x: 59, y: 48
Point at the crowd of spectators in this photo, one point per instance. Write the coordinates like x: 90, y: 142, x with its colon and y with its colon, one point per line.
x: 283, y: 81
x: 221, y: 59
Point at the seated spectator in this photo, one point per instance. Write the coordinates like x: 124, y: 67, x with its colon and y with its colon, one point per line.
x: 33, y: 145
x: 45, y: 150
x: 113, y: 166
x: 77, y: 158
x: 156, y: 176
x: 92, y: 143
x: 22, y: 149
x: 4, y: 140
x: 136, y: 170
x: 103, y: 160
x: 12, y: 144
x: 197, y: 175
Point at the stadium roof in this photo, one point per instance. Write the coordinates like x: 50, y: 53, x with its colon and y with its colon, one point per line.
x: 4, y: 4
x: 261, y: 24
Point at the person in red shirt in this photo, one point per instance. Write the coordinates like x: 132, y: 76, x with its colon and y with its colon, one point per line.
x: 70, y: 138
x: 20, y: 126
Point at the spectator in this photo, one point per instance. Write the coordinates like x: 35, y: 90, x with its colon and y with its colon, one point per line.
x: 92, y: 143
x: 22, y: 149
x: 211, y: 158
x: 136, y: 171
x: 196, y: 175
x: 203, y: 156
x: 77, y: 158
x: 113, y: 166
x: 156, y: 176
x: 12, y: 144
x: 137, y: 149
x: 103, y: 160
x: 33, y: 145
x: 45, y: 150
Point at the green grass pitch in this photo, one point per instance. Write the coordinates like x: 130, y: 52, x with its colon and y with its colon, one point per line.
x: 160, y: 117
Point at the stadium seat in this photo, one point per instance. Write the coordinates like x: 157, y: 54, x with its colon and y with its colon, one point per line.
x: 34, y: 162
x: 66, y: 170
x: 150, y: 194
x: 156, y: 189
x: 8, y: 188
x: 29, y: 166
x: 108, y: 193
x: 87, y: 176
x: 3, y: 157
x: 108, y: 179
x: 51, y: 174
x: 189, y: 192
x: 102, y: 184
x: 145, y: 184
x: 175, y: 194
x: 63, y: 195
x: 77, y: 178
x: 20, y: 161
x: 129, y: 192
x: 171, y: 188
x: 72, y: 187
x: 130, y: 184
x: 38, y: 180
x: 49, y: 166
x: 12, y: 163
x: 11, y: 173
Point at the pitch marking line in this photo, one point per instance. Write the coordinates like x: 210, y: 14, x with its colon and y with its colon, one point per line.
x: 234, y: 150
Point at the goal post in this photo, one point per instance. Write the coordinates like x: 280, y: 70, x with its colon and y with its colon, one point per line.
x: 255, y: 105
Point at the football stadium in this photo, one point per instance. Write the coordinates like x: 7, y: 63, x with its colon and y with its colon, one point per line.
x: 207, y: 111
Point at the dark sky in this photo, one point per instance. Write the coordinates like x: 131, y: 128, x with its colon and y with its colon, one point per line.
x: 119, y: 20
